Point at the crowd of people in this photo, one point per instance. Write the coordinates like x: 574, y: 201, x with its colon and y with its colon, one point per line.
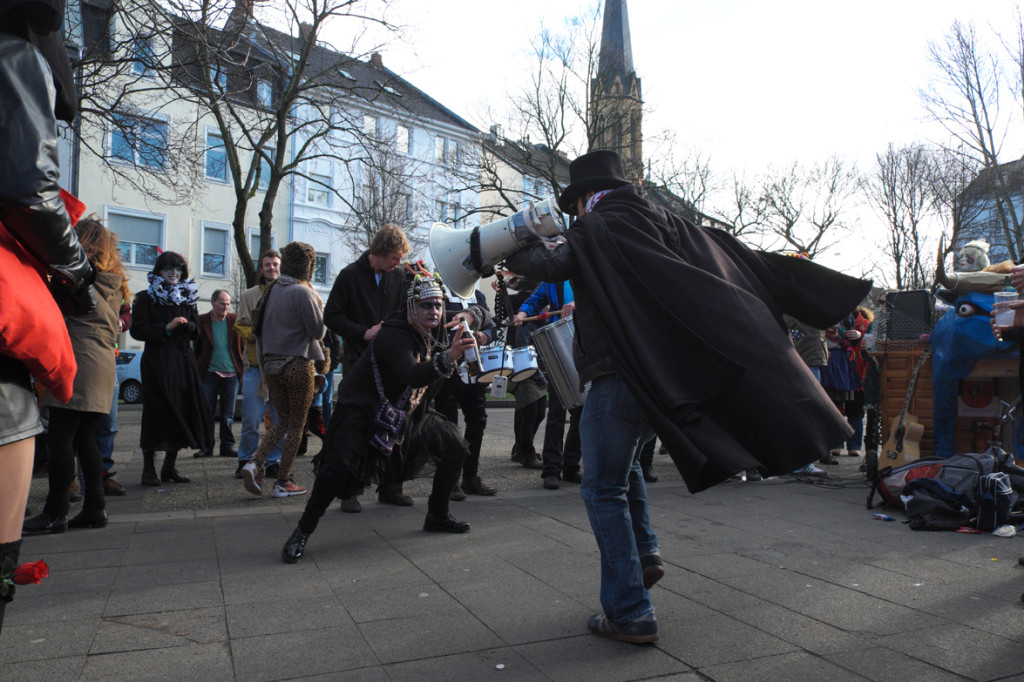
x: 703, y: 348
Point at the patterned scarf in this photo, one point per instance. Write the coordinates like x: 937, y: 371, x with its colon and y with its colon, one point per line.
x: 594, y: 199
x: 182, y: 293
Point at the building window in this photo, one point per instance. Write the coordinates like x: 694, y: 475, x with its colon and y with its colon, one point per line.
x: 455, y: 211
x: 456, y: 156
x: 254, y: 247
x: 215, y: 251
x: 264, y: 182
x: 317, y: 190
x: 139, y: 237
x: 219, y: 79
x: 403, y: 140
x: 403, y: 206
x: 371, y: 127
x: 216, y: 157
x: 441, y: 211
x: 139, y: 141
x: 322, y: 268
x: 440, y: 149
x: 143, y: 56
x: 264, y: 93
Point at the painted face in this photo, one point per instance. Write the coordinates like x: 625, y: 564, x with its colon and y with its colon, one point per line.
x: 271, y: 268
x: 429, y: 312
x: 171, y: 275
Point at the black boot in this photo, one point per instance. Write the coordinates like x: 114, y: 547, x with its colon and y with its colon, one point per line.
x: 168, y: 472
x: 444, y: 523
x: 295, y: 546
x: 45, y: 523
x: 89, y: 518
x: 9, y: 551
x: 149, y: 468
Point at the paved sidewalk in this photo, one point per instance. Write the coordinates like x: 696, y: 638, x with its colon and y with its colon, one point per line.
x: 775, y: 580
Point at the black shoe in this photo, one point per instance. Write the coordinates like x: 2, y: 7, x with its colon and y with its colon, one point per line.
x: 828, y: 459
x: 238, y: 469
x: 534, y: 462
x: 202, y: 453
x: 573, y: 477
x: 474, y: 486
x: 445, y: 524
x: 228, y: 452
x: 551, y: 482
x: 516, y: 457
x: 350, y: 505
x: 649, y: 474
x: 44, y: 523
x: 150, y: 478
x: 173, y: 476
x: 457, y: 495
x: 294, y: 547
x: 89, y: 518
x: 754, y: 475
x: 395, y: 498
x: 272, y: 470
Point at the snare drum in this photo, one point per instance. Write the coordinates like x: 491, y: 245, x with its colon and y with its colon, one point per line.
x: 496, y: 362
x: 524, y: 363
x: 554, y: 342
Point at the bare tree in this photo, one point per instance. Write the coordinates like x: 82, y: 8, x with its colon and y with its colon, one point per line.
x: 965, y: 100
x: 805, y: 209
x: 278, y: 96
x: 684, y: 170
x: 901, y: 190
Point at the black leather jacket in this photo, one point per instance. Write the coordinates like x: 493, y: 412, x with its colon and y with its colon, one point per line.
x: 30, y: 205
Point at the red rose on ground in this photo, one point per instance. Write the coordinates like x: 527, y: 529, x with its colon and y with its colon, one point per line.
x: 31, y: 573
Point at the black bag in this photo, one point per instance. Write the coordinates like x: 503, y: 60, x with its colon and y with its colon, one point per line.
x: 996, y: 499
x: 932, y: 505
x: 389, y: 419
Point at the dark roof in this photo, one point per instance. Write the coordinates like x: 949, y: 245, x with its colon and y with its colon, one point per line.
x: 662, y: 196
x: 535, y: 160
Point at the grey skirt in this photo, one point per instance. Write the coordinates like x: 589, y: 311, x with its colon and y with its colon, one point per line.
x: 19, y: 416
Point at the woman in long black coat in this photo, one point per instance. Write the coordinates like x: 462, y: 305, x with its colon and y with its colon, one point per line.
x: 175, y: 414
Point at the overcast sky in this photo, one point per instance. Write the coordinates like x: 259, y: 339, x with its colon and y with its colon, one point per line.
x: 746, y: 81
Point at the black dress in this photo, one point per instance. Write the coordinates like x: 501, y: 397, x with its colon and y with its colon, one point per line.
x: 175, y: 413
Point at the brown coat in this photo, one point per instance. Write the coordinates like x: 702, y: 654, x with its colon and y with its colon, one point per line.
x: 93, y: 336
x: 204, y: 347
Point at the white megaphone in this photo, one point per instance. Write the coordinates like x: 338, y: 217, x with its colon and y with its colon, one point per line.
x: 463, y: 256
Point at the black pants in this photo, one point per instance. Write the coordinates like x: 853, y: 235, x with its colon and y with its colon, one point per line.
x: 472, y: 399
x: 526, y: 423
x: 559, y: 459
x: 70, y: 432
x: 332, y: 478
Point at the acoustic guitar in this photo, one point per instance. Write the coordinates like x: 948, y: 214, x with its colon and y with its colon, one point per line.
x: 904, y: 444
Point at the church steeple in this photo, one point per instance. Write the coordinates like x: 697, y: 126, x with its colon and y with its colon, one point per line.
x: 616, y: 112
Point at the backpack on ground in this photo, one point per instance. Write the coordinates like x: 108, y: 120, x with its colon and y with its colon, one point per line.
x: 890, y: 481
x: 996, y: 499
x: 933, y: 505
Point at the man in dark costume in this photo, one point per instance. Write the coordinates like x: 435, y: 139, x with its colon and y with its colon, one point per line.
x: 36, y: 89
x: 405, y: 364
x: 664, y: 316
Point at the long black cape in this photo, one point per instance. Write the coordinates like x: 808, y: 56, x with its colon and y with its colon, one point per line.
x: 693, y: 322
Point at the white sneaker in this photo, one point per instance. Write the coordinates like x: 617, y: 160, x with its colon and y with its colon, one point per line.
x: 287, y: 489
x: 809, y: 470
x: 252, y: 477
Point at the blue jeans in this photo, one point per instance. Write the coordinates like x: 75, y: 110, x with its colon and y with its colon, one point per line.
x: 613, y: 429
x: 225, y: 390
x: 106, y: 431
x: 253, y: 409
x: 328, y: 398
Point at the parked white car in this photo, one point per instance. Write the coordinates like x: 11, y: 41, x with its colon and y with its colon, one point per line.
x: 129, y: 378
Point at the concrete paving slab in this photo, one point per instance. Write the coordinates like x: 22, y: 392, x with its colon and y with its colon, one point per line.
x: 502, y: 663
x: 301, y: 653
x: 194, y: 663
x: 137, y: 632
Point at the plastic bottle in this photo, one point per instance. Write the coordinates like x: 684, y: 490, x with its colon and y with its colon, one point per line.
x: 883, y: 517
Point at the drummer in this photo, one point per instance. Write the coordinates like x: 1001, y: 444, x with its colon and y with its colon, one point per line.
x: 470, y: 396
x: 561, y: 462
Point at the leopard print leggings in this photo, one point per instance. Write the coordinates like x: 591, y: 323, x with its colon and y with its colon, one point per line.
x: 291, y: 392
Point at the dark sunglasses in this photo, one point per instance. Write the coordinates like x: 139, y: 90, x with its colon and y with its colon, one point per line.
x: 430, y: 305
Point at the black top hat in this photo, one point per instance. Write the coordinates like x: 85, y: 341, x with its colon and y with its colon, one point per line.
x: 591, y: 173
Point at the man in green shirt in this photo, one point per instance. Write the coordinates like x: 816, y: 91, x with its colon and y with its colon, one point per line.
x: 219, y: 356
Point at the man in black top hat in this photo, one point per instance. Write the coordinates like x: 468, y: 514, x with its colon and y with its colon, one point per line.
x: 679, y: 330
